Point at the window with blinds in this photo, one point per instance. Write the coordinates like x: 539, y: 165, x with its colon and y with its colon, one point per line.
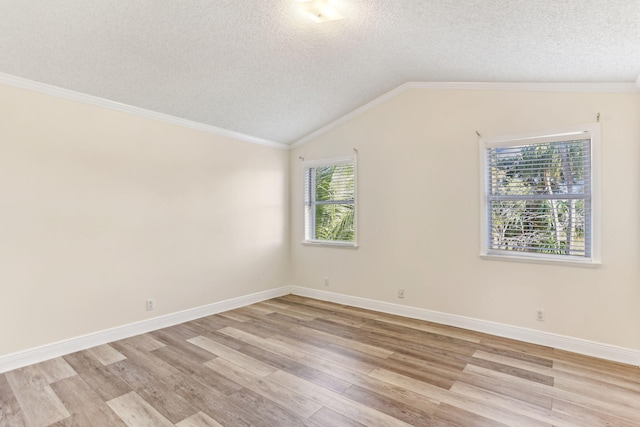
x: 539, y: 198
x: 330, y: 196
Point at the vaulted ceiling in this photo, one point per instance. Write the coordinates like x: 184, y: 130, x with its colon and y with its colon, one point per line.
x: 261, y: 68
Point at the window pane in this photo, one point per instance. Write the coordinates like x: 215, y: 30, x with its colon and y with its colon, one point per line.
x: 540, y: 198
x: 334, y: 183
x: 330, y: 203
x: 335, y: 222
x: 539, y: 226
x: 549, y: 168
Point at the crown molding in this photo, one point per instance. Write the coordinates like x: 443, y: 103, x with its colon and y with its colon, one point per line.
x: 22, y: 83
x: 366, y: 107
x: 528, y: 87
x: 607, y: 87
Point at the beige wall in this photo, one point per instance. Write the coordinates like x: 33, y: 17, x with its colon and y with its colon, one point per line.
x: 100, y: 210
x: 419, y: 213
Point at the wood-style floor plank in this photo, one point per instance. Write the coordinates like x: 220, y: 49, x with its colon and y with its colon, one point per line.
x: 192, y: 369
x: 295, y: 361
x: 146, y: 360
x: 40, y: 404
x: 336, y: 402
x: 144, y: 342
x: 617, y: 415
x: 249, y: 363
x: 134, y: 376
x: 286, y: 356
x: 503, y: 414
x: 630, y: 378
x: 171, y: 405
x: 136, y: 412
x: 296, y: 403
x: 199, y: 419
x: 400, y: 409
x: 268, y: 411
x: 84, y: 403
x: 55, y: 370
x: 177, y: 337
x: 328, y: 417
x: 104, y: 382
x: 451, y: 416
x: 106, y: 354
x: 210, y: 400
x: 364, y: 381
x: 11, y: 414
x: 596, y: 388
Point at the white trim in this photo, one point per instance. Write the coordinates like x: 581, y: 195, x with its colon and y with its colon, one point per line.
x: 562, y: 342
x: 356, y: 207
x: 344, y: 160
x: 19, y: 82
x: 331, y: 244
x: 19, y: 359
x: 532, y: 137
x: 605, y: 87
x: 539, y: 259
x: 23, y: 83
x: 360, y: 110
x: 527, y: 87
x: 590, y: 130
x: 312, y: 164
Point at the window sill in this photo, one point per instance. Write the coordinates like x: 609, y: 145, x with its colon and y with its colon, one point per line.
x: 327, y: 243
x: 587, y: 263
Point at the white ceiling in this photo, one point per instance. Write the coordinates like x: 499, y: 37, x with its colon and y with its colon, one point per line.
x: 259, y: 67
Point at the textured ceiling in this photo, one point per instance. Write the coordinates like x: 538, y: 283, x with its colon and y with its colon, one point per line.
x: 263, y: 69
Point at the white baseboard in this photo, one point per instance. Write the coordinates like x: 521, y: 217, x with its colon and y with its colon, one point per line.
x: 49, y: 351
x: 575, y: 345
x: 39, y: 354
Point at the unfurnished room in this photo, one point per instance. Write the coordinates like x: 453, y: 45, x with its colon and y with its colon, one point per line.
x: 319, y: 213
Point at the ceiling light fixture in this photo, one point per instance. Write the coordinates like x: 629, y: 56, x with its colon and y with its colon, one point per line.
x: 320, y: 10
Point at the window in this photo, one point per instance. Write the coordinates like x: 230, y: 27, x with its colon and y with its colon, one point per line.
x: 330, y: 202
x: 539, y: 199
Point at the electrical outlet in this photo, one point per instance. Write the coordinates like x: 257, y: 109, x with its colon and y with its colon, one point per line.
x: 400, y: 293
x: 151, y: 305
x: 540, y: 315
x: 326, y: 281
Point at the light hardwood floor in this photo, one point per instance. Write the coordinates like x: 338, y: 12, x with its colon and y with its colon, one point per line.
x: 294, y: 361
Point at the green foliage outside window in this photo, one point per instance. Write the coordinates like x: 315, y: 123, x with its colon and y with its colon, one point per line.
x: 539, y: 198
x: 334, y: 206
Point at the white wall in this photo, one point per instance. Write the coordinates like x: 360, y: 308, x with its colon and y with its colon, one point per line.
x: 100, y: 210
x: 419, y: 213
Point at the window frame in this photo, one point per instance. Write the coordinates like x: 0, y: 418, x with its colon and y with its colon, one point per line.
x: 592, y: 129
x: 309, y: 209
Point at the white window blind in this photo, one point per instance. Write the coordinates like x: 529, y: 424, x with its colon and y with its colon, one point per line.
x: 330, y: 202
x: 539, y: 196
